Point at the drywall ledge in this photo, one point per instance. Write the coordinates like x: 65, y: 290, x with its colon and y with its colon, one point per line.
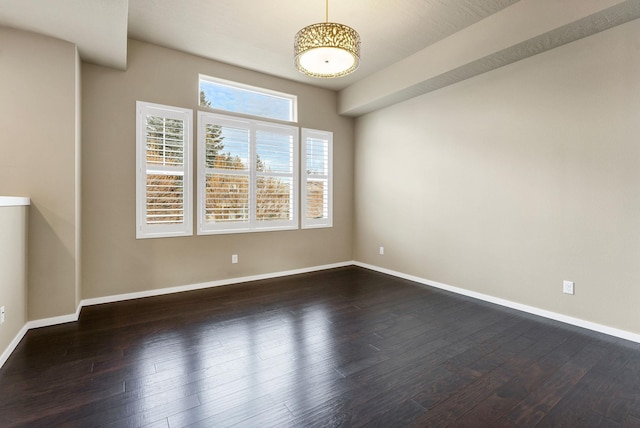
x: 524, y: 29
x: 14, y: 201
x: 13, y: 270
x: 623, y: 334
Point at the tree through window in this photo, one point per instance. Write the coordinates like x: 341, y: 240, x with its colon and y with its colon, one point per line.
x: 163, y: 171
x: 247, y: 175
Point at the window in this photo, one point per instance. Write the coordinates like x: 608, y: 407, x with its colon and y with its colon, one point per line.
x: 317, y: 186
x: 163, y: 160
x: 238, y: 98
x: 247, y: 175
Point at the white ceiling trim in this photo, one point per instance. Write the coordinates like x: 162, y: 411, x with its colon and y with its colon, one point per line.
x: 410, y: 47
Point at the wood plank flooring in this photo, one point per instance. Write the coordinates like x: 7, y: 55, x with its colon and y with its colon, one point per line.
x: 345, y: 347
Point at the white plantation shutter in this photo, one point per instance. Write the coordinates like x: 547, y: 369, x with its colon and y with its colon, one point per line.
x: 223, y: 153
x: 276, y: 160
x: 317, y: 178
x: 246, y: 175
x: 163, y: 159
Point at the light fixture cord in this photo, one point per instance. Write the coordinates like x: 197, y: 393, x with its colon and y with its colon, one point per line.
x: 326, y: 15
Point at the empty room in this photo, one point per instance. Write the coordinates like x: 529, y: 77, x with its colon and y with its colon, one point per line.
x: 407, y: 213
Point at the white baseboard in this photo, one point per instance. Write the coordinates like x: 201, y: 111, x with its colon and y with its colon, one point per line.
x: 178, y: 289
x: 12, y: 346
x: 623, y: 334
x: 210, y: 284
x: 47, y: 322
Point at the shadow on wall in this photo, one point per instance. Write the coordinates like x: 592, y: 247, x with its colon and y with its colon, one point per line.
x: 51, y: 265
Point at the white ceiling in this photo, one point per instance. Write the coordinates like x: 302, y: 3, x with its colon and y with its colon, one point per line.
x: 258, y: 34
x: 255, y: 34
x: 416, y: 45
x: 97, y: 27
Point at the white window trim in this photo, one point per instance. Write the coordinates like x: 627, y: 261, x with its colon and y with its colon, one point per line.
x: 309, y: 223
x: 144, y: 230
x: 253, y: 225
x: 244, y: 87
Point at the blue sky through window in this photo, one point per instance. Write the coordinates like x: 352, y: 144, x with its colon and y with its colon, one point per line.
x: 246, y: 101
x: 273, y: 148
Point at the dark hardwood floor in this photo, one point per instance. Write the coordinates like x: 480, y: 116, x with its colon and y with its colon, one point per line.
x: 344, y: 347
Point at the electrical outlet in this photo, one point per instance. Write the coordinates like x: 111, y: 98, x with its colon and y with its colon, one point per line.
x: 567, y: 287
x: 381, y: 251
x: 1, y: 314
x: 234, y: 258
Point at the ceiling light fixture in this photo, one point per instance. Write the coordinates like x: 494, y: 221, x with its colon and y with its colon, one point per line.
x: 327, y: 49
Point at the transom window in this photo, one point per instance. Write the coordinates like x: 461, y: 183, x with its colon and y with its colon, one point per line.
x: 238, y: 98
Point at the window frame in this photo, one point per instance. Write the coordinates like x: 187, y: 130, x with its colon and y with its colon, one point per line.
x: 143, y: 229
x: 293, y: 114
x: 325, y: 222
x: 252, y: 225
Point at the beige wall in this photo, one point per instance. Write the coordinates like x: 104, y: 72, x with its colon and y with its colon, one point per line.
x: 39, y: 146
x: 504, y: 184
x: 114, y: 262
x: 513, y: 181
x: 13, y: 272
